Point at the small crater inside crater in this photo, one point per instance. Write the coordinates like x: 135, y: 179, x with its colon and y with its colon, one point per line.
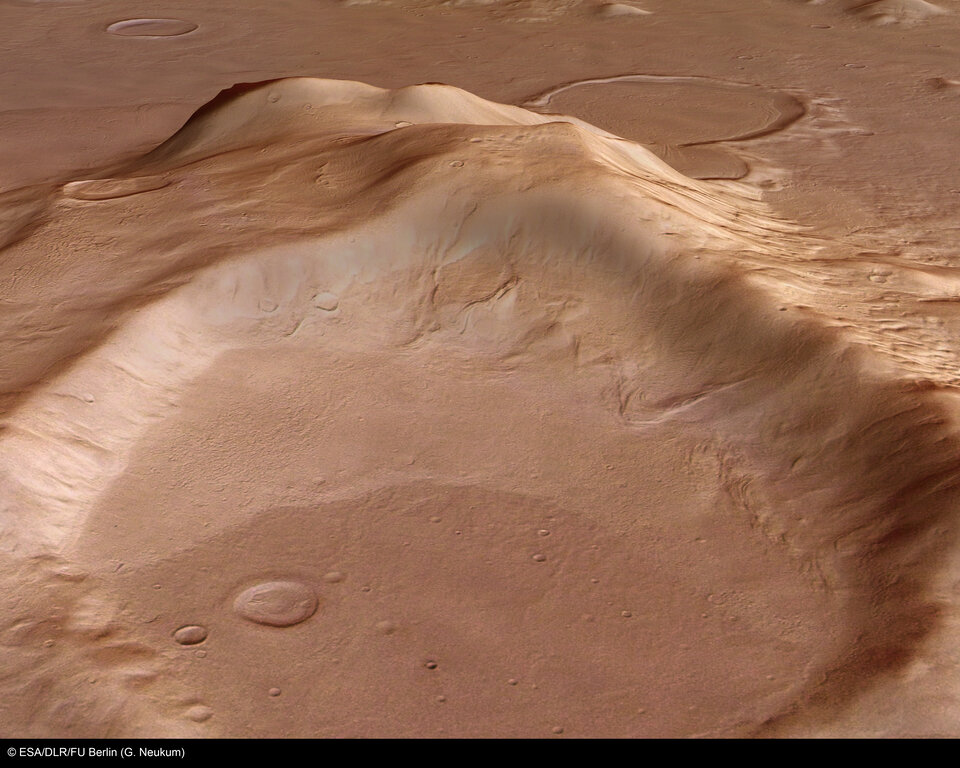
x: 277, y: 603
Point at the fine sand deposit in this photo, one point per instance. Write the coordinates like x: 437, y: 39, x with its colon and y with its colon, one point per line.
x: 503, y: 369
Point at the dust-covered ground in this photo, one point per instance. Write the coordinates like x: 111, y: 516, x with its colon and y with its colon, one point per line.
x: 479, y: 369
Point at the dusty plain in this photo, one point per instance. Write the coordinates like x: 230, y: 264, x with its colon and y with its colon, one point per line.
x: 538, y: 369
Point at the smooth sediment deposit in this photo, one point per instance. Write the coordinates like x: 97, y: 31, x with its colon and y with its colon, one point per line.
x: 548, y: 369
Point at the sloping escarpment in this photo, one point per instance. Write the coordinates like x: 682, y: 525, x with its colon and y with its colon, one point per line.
x: 895, y: 11
x: 482, y: 390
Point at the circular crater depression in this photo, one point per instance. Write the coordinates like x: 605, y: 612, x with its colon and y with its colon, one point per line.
x: 546, y: 488
x: 151, y: 27
x: 277, y: 603
x: 677, y: 116
x: 565, y: 367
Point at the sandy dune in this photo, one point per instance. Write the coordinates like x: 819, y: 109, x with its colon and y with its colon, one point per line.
x: 623, y: 409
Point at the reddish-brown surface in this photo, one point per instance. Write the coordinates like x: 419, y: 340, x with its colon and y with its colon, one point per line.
x: 358, y: 407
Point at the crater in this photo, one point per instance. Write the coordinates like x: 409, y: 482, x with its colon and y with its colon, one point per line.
x: 277, y: 603
x: 558, y: 438
x: 677, y: 116
x: 191, y: 634
x: 151, y: 27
